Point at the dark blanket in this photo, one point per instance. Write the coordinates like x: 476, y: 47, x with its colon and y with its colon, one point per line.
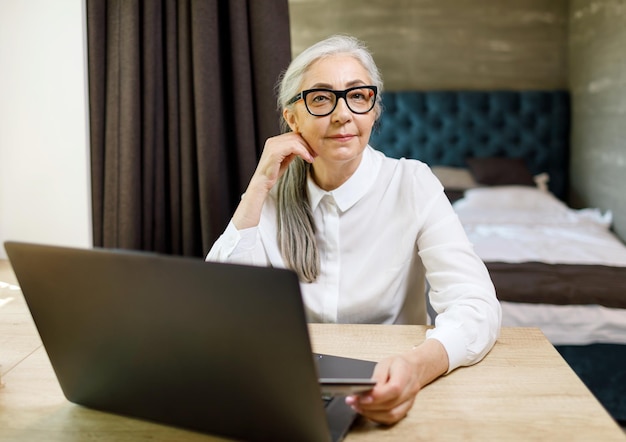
x: 561, y: 284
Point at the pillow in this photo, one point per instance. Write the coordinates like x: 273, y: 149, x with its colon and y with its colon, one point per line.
x: 512, y: 198
x: 454, y: 178
x: 495, y: 171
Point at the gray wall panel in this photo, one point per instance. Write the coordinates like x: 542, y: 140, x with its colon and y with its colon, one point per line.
x: 597, y: 42
x: 447, y: 44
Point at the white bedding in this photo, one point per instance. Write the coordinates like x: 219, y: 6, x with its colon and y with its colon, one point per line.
x: 518, y: 224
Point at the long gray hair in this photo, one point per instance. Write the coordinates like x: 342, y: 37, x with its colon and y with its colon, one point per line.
x: 296, y: 230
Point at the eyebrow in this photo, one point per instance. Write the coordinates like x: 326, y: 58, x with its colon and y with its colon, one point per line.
x: 348, y: 85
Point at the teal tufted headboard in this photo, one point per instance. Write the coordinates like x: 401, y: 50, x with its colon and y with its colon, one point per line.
x: 446, y: 127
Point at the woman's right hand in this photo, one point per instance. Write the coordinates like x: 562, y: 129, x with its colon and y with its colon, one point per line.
x: 278, y: 153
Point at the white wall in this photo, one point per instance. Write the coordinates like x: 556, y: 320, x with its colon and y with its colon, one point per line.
x: 44, y: 156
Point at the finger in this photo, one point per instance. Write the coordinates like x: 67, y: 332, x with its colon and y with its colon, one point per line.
x: 283, y: 147
x: 308, y: 154
x: 393, y: 378
x: 278, y: 153
x: 394, y: 387
x: 388, y: 417
x: 385, y: 415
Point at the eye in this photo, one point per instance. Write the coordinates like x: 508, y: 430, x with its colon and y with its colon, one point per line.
x: 320, y: 98
x: 359, y: 94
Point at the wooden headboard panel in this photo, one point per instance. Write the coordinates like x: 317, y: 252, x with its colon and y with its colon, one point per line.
x: 446, y: 127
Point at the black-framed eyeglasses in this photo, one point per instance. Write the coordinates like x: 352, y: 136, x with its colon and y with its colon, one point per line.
x: 321, y: 102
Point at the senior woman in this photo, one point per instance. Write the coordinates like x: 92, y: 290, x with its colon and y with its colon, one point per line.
x: 364, y: 232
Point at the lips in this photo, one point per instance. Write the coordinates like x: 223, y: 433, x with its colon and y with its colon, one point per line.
x: 342, y: 137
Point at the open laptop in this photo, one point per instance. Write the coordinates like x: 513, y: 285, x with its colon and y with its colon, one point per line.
x: 217, y: 348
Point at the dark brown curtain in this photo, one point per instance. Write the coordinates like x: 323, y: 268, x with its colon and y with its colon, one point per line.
x: 181, y: 101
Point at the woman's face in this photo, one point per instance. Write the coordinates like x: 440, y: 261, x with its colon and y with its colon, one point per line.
x: 342, y: 135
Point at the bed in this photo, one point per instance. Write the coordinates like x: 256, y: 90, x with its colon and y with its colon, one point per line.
x: 502, y: 157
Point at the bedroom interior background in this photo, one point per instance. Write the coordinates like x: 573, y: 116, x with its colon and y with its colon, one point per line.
x: 572, y: 45
x: 559, y: 44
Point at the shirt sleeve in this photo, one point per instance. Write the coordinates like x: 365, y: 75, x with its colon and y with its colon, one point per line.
x: 461, y: 292
x: 237, y: 246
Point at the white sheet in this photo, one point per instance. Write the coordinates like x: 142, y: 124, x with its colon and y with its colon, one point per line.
x: 517, y: 224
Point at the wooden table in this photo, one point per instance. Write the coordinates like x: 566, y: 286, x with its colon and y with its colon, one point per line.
x: 523, y: 390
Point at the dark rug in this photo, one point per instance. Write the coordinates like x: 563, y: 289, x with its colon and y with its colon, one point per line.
x: 602, y: 368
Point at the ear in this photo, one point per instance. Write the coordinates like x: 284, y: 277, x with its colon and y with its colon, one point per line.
x: 291, y: 119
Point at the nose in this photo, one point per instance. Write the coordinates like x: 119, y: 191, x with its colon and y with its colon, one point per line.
x: 341, y: 113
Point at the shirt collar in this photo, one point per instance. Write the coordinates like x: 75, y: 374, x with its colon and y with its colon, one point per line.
x: 354, y: 188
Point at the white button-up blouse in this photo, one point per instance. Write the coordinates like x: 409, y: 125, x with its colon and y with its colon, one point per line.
x: 381, y: 236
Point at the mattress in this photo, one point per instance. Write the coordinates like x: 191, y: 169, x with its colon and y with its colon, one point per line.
x: 523, y: 224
